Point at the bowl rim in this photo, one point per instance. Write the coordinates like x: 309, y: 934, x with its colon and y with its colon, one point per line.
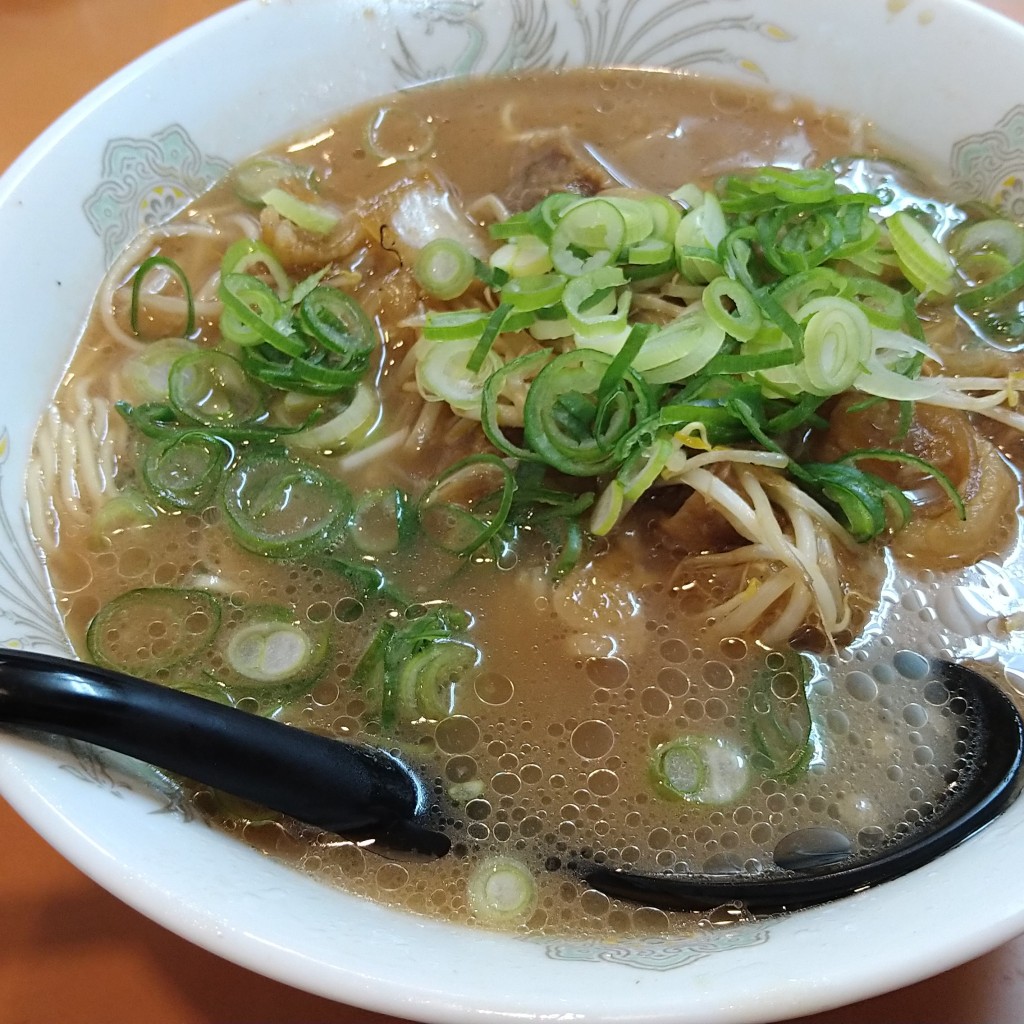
x: 154, y: 900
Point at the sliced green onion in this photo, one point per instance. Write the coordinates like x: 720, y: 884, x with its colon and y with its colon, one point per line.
x: 146, y: 267
x: 253, y: 313
x: 428, y: 681
x: 312, y: 217
x: 798, y: 289
x: 596, y: 309
x: 368, y: 582
x: 701, y: 230
x: 608, y: 509
x: 863, y: 234
x: 665, y: 215
x: 158, y: 420
x: 348, y: 428
x: 183, y: 472
x: 681, y: 348
x: 282, y: 508
x: 254, y: 177
x: 994, y: 237
x: 548, y: 212
x: 926, y: 264
x: 468, y: 504
x: 749, y: 362
x: 640, y: 472
x: 381, y: 521
x: 570, y: 551
x: 700, y: 769
x: 392, y: 650
x: 495, y: 325
x: 837, y: 345
x: 369, y: 670
x: 455, y: 325
x: 974, y: 300
x: 528, y: 294
x: 524, y: 256
x: 741, y: 317
x: 734, y: 255
x: 882, y: 305
x: 316, y: 374
x: 519, y: 225
x: 801, y: 186
x: 544, y: 329
x: 501, y: 891
x: 125, y: 511
x: 443, y: 374
x: 152, y: 419
x: 793, y: 240
x: 243, y: 256
x: 613, y: 378
x: 652, y: 252
x: 589, y: 235
x: 444, y: 268
x: 522, y: 367
x: 212, y: 388
x: 338, y: 323
x: 773, y: 312
x: 308, y: 283
x: 862, y: 499
x: 268, y: 648
x: 780, y: 718
x: 637, y: 216
x: 148, y: 372
x: 149, y: 630
x: 905, y: 458
x: 561, y: 421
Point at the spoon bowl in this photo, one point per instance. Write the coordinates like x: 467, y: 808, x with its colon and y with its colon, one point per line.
x: 816, y: 865
x: 361, y: 791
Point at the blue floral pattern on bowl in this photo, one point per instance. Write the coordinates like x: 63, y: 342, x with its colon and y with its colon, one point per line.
x: 28, y: 617
x: 661, y: 953
x: 146, y: 182
x: 685, y: 34
x: 989, y: 166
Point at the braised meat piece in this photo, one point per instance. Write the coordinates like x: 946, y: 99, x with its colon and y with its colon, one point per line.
x: 553, y: 161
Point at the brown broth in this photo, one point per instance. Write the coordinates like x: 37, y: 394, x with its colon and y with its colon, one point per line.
x: 549, y: 740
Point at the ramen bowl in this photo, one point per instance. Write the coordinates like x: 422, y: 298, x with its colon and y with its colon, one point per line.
x: 938, y: 79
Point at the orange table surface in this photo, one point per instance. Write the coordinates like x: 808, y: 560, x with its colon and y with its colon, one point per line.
x: 69, y: 951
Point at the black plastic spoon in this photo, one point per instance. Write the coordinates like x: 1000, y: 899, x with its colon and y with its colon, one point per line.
x: 346, y: 788
x: 361, y: 791
x: 812, y: 866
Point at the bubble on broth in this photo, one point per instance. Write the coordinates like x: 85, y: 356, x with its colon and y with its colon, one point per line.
x: 607, y: 673
x: 456, y: 735
x: 494, y: 688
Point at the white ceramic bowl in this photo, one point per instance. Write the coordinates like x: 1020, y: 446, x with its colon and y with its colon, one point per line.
x: 941, y: 77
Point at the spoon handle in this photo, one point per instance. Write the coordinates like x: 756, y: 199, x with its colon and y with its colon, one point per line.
x: 338, y: 786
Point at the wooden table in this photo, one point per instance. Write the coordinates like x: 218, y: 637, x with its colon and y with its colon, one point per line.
x: 69, y: 951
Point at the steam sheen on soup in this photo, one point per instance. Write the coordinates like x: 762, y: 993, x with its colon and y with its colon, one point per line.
x: 573, y: 435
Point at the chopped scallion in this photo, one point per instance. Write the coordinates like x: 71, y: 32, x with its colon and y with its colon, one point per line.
x: 315, y: 218
x: 444, y: 268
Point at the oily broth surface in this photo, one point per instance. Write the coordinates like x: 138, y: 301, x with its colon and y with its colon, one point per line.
x: 549, y: 740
